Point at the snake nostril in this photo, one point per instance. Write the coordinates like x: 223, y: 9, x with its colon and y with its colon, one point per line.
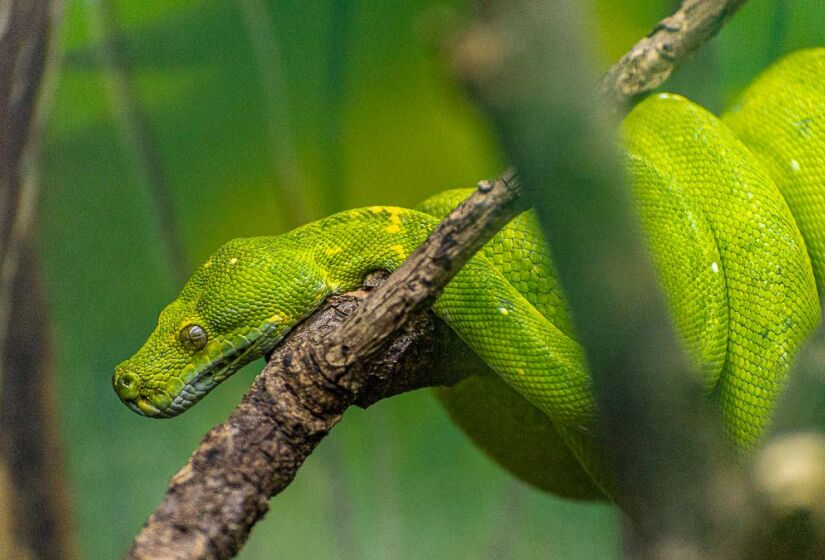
x: 126, y: 385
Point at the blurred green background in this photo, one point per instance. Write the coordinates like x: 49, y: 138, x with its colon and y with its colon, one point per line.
x: 248, y: 117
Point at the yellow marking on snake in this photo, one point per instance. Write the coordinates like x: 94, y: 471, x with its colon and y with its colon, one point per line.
x: 332, y: 251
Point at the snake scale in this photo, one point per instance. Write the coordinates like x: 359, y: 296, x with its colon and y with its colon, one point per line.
x: 733, y: 209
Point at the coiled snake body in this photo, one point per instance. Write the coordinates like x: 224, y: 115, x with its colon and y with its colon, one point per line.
x: 734, y: 213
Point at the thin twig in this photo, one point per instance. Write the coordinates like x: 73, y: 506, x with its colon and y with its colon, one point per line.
x: 417, y: 283
x: 652, y: 60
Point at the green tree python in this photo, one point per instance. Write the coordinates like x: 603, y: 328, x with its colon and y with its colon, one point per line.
x: 733, y: 209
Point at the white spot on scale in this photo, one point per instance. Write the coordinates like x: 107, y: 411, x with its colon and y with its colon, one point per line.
x: 794, y: 165
x: 664, y: 96
x: 503, y: 310
x: 714, y: 267
x: 233, y: 260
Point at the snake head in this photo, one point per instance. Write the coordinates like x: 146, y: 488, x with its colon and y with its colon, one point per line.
x: 236, y: 307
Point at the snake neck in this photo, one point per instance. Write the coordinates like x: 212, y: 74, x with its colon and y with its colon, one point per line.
x: 349, y: 245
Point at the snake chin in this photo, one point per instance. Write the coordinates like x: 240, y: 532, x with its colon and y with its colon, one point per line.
x: 144, y: 407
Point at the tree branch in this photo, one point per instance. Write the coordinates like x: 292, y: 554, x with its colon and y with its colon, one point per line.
x: 214, y: 500
x: 319, y: 371
x: 309, y: 382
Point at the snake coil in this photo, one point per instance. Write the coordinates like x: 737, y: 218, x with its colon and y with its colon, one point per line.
x: 734, y: 213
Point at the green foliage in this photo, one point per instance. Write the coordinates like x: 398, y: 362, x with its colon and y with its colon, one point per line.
x: 355, y: 106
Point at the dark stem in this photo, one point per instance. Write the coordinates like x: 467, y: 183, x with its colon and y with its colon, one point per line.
x: 34, y: 511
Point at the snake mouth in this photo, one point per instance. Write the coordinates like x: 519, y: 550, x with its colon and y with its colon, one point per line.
x: 144, y: 407
x: 127, y: 385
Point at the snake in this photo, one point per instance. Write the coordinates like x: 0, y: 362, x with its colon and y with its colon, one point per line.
x: 733, y: 212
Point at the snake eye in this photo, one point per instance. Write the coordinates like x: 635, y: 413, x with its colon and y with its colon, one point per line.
x: 193, y: 337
